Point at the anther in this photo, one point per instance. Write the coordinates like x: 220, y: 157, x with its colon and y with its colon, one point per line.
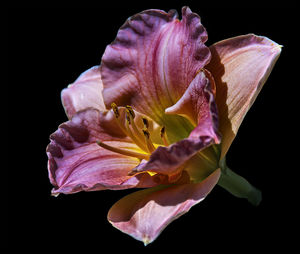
x: 162, y: 131
x: 115, y: 109
x: 135, y: 135
x: 150, y: 146
x: 128, y: 116
x: 130, y: 111
x: 145, y: 122
x: 146, y: 133
x: 125, y: 152
x: 163, y: 136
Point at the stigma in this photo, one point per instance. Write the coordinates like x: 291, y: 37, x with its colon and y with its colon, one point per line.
x: 139, y: 136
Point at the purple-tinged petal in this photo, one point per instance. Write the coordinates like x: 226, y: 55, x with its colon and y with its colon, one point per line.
x: 77, y: 163
x: 240, y: 67
x: 199, y: 105
x: 171, y: 160
x: 85, y: 92
x: 153, y: 60
x: 144, y: 214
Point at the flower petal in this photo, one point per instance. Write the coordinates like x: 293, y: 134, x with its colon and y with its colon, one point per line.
x: 77, y: 163
x: 197, y: 104
x: 144, y: 214
x: 153, y: 59
x: 171, y: 160
x: 240, y: 67
x: 84, y: 93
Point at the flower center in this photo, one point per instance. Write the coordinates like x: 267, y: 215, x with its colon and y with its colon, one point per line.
x: 140, y: 136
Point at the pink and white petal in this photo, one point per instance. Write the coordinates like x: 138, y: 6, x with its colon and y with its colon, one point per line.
x: 153, y: 60
x: 240, y: 67
x: 77, y: 163
x: 144, y: 214
x: 84, y: 93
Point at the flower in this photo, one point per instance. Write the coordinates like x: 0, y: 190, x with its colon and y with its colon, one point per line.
x: 160, y: 113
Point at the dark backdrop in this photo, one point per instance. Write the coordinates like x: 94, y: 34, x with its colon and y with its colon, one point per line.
x: 49, y: 48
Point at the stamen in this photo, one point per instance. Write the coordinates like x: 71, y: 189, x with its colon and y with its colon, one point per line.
x: 123, y: 151
x: 130, y: 115
x: 117, y: 114
x: 150, y: 146
x: 130, y: 110
x: 163, y: 136
x: 115, y: 109
x: 129, y: 121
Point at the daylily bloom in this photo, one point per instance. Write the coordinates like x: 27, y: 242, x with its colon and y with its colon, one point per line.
x: 160, y: 112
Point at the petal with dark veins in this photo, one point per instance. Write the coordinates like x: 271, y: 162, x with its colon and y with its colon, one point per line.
x: 153, y: 60
x: 77, y: 163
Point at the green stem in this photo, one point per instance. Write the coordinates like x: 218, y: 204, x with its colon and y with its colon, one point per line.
x: 239, y: 186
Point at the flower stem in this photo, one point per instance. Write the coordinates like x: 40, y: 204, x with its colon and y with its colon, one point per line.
x: 239, y: 186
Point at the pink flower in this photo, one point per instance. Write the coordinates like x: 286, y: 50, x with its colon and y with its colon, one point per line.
x: 152, y: 116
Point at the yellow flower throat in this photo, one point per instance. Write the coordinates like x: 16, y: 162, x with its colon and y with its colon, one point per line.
x: 141, y: 138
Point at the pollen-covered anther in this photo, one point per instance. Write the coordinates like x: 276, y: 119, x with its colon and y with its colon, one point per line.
x: 115, y: 109
x: 130, y: 111
x: 128, y: 117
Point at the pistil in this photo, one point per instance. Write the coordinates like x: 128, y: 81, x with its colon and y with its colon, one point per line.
x: 140, y: 156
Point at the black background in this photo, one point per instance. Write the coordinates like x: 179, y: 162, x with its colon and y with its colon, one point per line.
x: 49, y: 48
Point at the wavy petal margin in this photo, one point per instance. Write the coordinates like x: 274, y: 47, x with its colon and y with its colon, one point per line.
x: 144, y: 214
x: 153, y: 60
x: 85, y: 92
x: 240, y: 67
x: 76, y: 163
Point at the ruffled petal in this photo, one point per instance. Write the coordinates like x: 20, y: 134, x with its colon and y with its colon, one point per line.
x: 153, y: 60
x: 240, y: 67
x: 197, y: 104
x: 84, y: 93
x: 77, y: 163
x: 144, y: 214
